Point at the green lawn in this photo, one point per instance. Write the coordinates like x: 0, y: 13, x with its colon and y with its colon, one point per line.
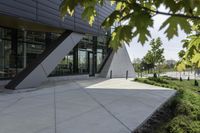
x: 184, y: 107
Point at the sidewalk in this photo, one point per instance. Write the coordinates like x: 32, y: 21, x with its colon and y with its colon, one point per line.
x: 83, y: 106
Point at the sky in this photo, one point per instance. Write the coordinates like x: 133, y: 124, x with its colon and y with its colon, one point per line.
x: 171, y: 47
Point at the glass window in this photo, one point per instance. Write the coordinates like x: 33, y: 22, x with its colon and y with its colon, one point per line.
x: 82, y: 61
x: 99, y: 58
x: 77, y: 61
x: 54, y: 36
x: 19, y: 48
x: 30, y: 46
x: 21, y: 57
x: 85, y: 45
x: 5, y: 33
x: 102, y: 50
x: 7, y: 68
x: 65, y: 67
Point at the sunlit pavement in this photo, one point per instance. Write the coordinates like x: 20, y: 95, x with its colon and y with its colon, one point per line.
x: 83, y: 106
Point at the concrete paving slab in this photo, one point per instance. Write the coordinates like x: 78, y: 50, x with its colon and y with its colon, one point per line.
x: 95, y: 105
x: 95, y: 121
x: 130, y: 111
x: 25, y: 117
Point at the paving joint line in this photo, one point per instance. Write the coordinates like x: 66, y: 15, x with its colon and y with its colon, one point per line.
x: 54, y: 100
x: 100, y: 104
x: 13, y: 103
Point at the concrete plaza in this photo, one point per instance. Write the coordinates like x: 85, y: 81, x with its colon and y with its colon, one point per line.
x: 93, y: 105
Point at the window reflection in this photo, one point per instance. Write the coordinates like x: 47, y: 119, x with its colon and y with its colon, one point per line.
x: 6, y: 68
x: 19, y: 50
x: 82, y: 62
x: 65, y: 67
x: 102, y: 50
x: 32, y: 43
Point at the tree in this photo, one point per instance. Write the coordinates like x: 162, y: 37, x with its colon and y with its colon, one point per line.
x: 137, y: 65
x: 138, y: 16
x: 140, y: 65
x: 190, y: 55
x: 148, y: 61
x: 154, y: 56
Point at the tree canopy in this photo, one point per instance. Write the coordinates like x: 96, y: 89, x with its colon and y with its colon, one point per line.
x: 155, y: 55
x: 133, y: 18
x: 190, y: 55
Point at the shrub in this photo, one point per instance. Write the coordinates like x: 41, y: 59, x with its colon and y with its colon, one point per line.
x: 182, y: 124
x: 184, y: 107
x: 158, y: 80
x: 169, y: 78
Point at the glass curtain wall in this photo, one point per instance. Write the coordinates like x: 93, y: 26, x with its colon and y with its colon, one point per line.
x: 80, y: 58
x: 102, y: 50
x: 65, y: 67
x: 30, y: 46
x: 6, y: 67
x: 19, y: 48
x: 76, y: 62
x: 85, y: 46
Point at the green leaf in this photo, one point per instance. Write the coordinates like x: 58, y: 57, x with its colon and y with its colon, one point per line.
x: 119, y: 6
x: 141, y: 21
x: 138, y: 15
x: 172, y: 5
x: 109, y: 21
x: 67, y: 7
x: 89, y: 14
x: 180, y: 66
x: 184, y: 25
x: 196, y: 58
x: 181, y: 54
x: 112, y: 2
x: 172, y: 24
x: 121, y: 35
x: 191, y: 53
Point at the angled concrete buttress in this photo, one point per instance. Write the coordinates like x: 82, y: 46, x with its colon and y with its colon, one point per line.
x: 38, y: 71
x: 118, y: 65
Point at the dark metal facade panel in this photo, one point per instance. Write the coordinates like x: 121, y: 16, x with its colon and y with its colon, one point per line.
x: 14, y: 8
x: 47, y: 12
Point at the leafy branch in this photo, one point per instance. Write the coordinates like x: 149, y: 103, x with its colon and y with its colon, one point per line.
x: 171, y: 14
x: 138, y: 17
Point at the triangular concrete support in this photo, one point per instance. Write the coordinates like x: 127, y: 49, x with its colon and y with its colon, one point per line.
x: 38, y: 71
x: 118, y: 65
